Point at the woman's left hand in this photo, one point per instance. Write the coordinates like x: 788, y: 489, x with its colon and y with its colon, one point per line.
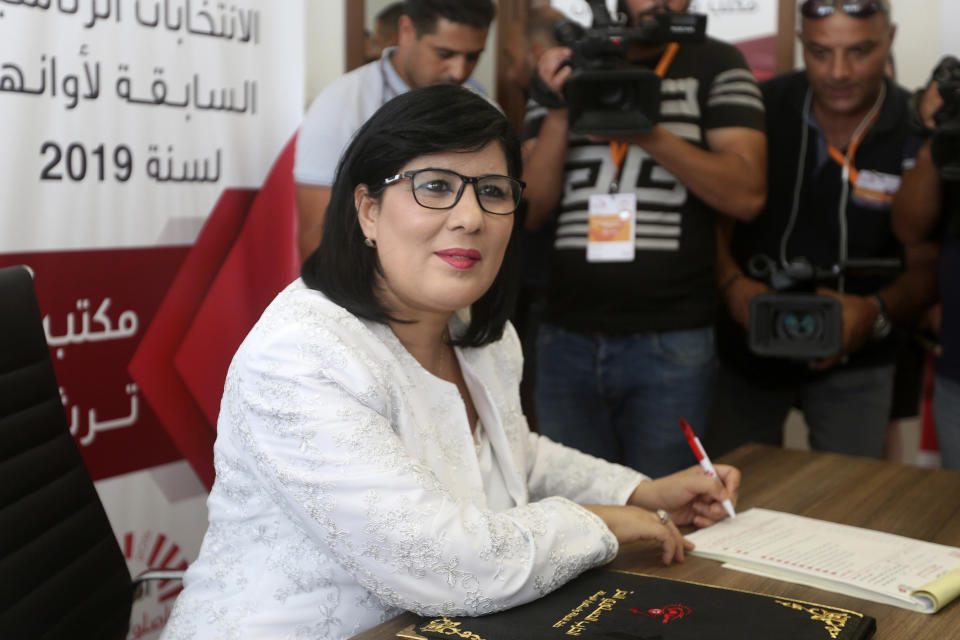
x: 690, y: 496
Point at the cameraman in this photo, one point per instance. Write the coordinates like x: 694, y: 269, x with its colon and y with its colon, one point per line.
x: 928, y: 206
x: 839, y: 140
x: 626, y: 348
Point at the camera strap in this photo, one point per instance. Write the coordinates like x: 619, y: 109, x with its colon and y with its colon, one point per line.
x: 850, y: 173
x: 845, y: 160
x: 618, y: 150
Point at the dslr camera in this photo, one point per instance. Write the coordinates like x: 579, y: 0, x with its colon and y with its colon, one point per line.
x: 794, y: 323
x: 945, y: 143
x: 605, y: 94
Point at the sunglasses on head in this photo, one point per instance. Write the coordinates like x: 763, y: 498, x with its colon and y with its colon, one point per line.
x: 816, y: 9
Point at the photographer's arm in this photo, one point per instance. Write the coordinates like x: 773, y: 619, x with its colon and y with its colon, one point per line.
x: 311, y: 206
x: 543, y: 156
x: 736, y: 288
x: 543, y: 168
x: 917, y: 287
x: 730, y: 177
x: 917, y: 204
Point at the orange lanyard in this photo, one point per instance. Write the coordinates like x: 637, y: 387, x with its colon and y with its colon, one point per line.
x: 618, y: 150
x: 845, y: 160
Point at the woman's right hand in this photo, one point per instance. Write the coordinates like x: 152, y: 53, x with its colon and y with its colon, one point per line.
x: 630, y: 524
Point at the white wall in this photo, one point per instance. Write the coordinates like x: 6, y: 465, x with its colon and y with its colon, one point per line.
x: 950, y: 27
x: 917, y: 45
x: 324, y: 24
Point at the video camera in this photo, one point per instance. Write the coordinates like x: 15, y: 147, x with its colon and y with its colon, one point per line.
x: 605, y: 94
x: 794, y: 323
x: 945, y: 144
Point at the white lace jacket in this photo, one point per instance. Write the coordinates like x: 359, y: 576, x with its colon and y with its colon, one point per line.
x: 348, y: 489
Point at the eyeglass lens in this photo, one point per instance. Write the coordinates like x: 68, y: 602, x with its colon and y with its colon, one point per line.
x: 439, y: 189
x: 855, y: 8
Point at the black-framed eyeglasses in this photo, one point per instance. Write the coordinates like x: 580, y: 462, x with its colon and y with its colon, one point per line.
x: 816, y: 9
x: 441, y: 189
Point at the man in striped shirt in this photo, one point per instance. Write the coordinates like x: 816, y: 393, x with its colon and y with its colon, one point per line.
x: 626, y: 346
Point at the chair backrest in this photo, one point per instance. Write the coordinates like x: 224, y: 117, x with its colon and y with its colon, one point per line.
x: 62, y: 574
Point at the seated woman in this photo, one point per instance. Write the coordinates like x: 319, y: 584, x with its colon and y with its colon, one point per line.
x: 371, y: 453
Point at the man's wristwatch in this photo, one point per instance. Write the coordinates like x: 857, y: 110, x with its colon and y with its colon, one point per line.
x: 881, y: 324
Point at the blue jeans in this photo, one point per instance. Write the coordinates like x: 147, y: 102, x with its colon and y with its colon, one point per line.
x: 619, y: 398
x: 846, y: 409
x: 946, y: 413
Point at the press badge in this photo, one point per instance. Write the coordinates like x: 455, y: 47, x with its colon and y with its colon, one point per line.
x: 612, y: 226
x: 875, y: 189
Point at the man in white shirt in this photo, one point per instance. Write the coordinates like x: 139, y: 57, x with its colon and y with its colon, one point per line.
x: 440, y: 42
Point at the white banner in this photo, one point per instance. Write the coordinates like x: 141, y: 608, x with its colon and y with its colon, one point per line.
x: 136, y: 138
x: 121, y: 117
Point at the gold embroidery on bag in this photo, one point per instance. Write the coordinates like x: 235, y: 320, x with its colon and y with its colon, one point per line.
x: 834, y: 620
x: 448, y: 627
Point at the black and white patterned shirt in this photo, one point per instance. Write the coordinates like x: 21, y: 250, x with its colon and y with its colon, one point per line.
x: 670, y: 283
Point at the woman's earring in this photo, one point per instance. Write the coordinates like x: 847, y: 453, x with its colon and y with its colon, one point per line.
x: 370, y: 243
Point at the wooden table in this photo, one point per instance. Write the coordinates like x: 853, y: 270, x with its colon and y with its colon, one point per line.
x: 906, y: 500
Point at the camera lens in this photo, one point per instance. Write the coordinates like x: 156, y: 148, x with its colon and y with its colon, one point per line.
x: 612, y: 96
x: 799, y: 325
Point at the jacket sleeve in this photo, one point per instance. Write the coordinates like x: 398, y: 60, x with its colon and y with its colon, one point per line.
x: 553, y: 469
x: 311, y: 413
x: 558, y: 470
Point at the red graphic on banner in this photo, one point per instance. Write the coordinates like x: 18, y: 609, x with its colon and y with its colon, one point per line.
x: 141, y: 338
x: 245, y: 254
x: 761, y: 55
x: 95, y: 306
x: 668, y: 613
x: 143, y: 551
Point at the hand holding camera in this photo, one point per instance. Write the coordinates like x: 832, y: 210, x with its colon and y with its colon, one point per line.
x: 929, y: 103
x: 606, y: 94
x: 554, y: 68
x: 858, y: 318
x: 823, y: 327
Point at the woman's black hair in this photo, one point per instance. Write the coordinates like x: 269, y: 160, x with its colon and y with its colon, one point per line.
x: 433, y: 119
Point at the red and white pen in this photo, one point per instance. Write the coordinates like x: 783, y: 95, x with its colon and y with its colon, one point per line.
x: 704, y: 460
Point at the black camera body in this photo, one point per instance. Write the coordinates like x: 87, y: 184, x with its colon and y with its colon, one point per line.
x: 605, y: 94
x: 945, y: 143
x: 796, y: 325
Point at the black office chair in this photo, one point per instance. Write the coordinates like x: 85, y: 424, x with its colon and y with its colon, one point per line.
x: 62, y: 573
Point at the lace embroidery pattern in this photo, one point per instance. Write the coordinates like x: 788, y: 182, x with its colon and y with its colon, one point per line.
x: 348, y: 488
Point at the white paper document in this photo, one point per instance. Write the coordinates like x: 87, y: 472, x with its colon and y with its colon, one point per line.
x: 867, y: 564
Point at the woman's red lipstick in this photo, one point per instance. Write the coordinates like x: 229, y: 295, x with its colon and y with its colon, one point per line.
x: 459, y: 258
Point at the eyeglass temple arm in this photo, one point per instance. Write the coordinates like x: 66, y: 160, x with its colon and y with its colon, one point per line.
x: 395, y: 178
